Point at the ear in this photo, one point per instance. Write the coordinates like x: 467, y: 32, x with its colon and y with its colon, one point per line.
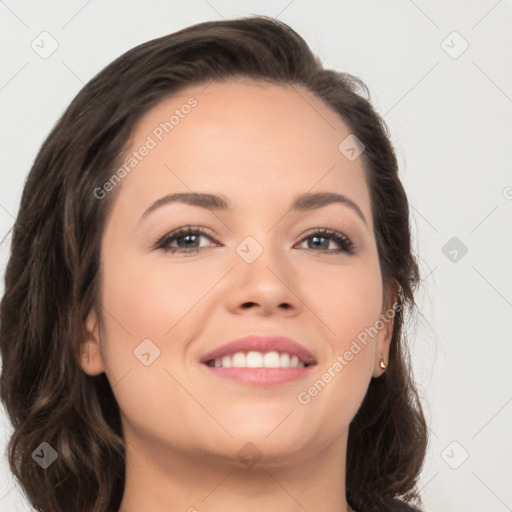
x: 91, y: 359
x: 387, y: 321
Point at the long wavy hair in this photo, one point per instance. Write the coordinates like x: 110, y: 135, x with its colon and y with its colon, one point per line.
x: 51, y: 279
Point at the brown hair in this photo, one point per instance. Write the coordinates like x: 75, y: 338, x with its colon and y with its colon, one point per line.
x: 51, y: 280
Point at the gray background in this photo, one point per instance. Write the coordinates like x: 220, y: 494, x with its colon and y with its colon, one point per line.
x: 449, y: 112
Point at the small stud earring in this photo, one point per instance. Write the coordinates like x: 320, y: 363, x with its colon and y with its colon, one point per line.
x: 382, y: 364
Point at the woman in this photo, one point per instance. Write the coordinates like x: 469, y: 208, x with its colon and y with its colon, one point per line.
x: 204, y: 301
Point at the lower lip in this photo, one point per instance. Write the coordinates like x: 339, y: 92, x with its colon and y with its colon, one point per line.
x: 261, y: 376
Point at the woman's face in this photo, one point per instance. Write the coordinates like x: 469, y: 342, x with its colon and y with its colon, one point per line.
x: 257, y: 268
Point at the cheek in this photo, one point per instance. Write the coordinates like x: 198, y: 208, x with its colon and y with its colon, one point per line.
x: 148, y: 300
x: 347, y: 299
x: 153, y: 303
x: 159, y: 302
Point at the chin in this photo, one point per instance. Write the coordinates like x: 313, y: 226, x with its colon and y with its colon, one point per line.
x: 266, y: 446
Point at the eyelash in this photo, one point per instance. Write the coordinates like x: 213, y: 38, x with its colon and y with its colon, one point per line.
x: 347, y: 246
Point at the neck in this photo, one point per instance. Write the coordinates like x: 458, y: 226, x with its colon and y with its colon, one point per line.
x: 169, y: 480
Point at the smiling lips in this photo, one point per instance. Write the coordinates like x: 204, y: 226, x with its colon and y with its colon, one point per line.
x: 260, y: 360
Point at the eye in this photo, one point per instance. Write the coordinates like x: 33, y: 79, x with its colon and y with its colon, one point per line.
x: 186, y: 238
x: 321, y: 238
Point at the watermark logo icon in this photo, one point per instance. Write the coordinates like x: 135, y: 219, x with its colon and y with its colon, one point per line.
x: 249, y: 454
x: 351, y: 147
x: 45, y: 455
x: 249, y: 249
x: 454, y: 45
x: 146, y: 352
x: 45, y: 45
x: 455, y: 455
x: 454, y: 249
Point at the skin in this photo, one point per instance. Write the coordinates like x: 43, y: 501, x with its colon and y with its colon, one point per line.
x: 259, y: 146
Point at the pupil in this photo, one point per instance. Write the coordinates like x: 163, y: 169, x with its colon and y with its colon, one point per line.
x: 187, y: 237
x: 315, y: 238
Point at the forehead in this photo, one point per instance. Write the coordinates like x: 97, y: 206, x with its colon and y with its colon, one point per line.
x: 243, y: 136
x: 247, y: 107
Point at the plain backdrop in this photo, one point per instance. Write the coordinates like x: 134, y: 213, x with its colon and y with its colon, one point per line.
x: 440, y: 74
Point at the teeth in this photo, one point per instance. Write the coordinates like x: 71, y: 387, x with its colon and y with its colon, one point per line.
x: 271, y: 360
x: 284, y: 360
x: 239, y: 360
x: 258, y: 360
x: 252, y: 360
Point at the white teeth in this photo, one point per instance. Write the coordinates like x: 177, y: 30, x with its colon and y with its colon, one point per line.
x: 239, y: 360
x: 255, y: 359
x: 271, y: 360
x: 284, y: 360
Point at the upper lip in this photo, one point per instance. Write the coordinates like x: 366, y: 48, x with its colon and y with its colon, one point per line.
x: 261, y: 344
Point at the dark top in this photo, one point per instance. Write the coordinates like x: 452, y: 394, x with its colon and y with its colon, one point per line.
x: 398, y: 506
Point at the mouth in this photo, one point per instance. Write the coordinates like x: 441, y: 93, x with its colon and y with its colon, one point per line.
x: 260, y: 360
x: 254, y: 359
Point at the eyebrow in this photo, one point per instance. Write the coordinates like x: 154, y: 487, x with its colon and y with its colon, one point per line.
x: 304, y: 202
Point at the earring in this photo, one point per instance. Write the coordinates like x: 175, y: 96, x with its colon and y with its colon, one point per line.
x: 382, y: 364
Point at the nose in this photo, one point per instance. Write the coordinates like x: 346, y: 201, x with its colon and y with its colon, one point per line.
x: 265, y: 286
